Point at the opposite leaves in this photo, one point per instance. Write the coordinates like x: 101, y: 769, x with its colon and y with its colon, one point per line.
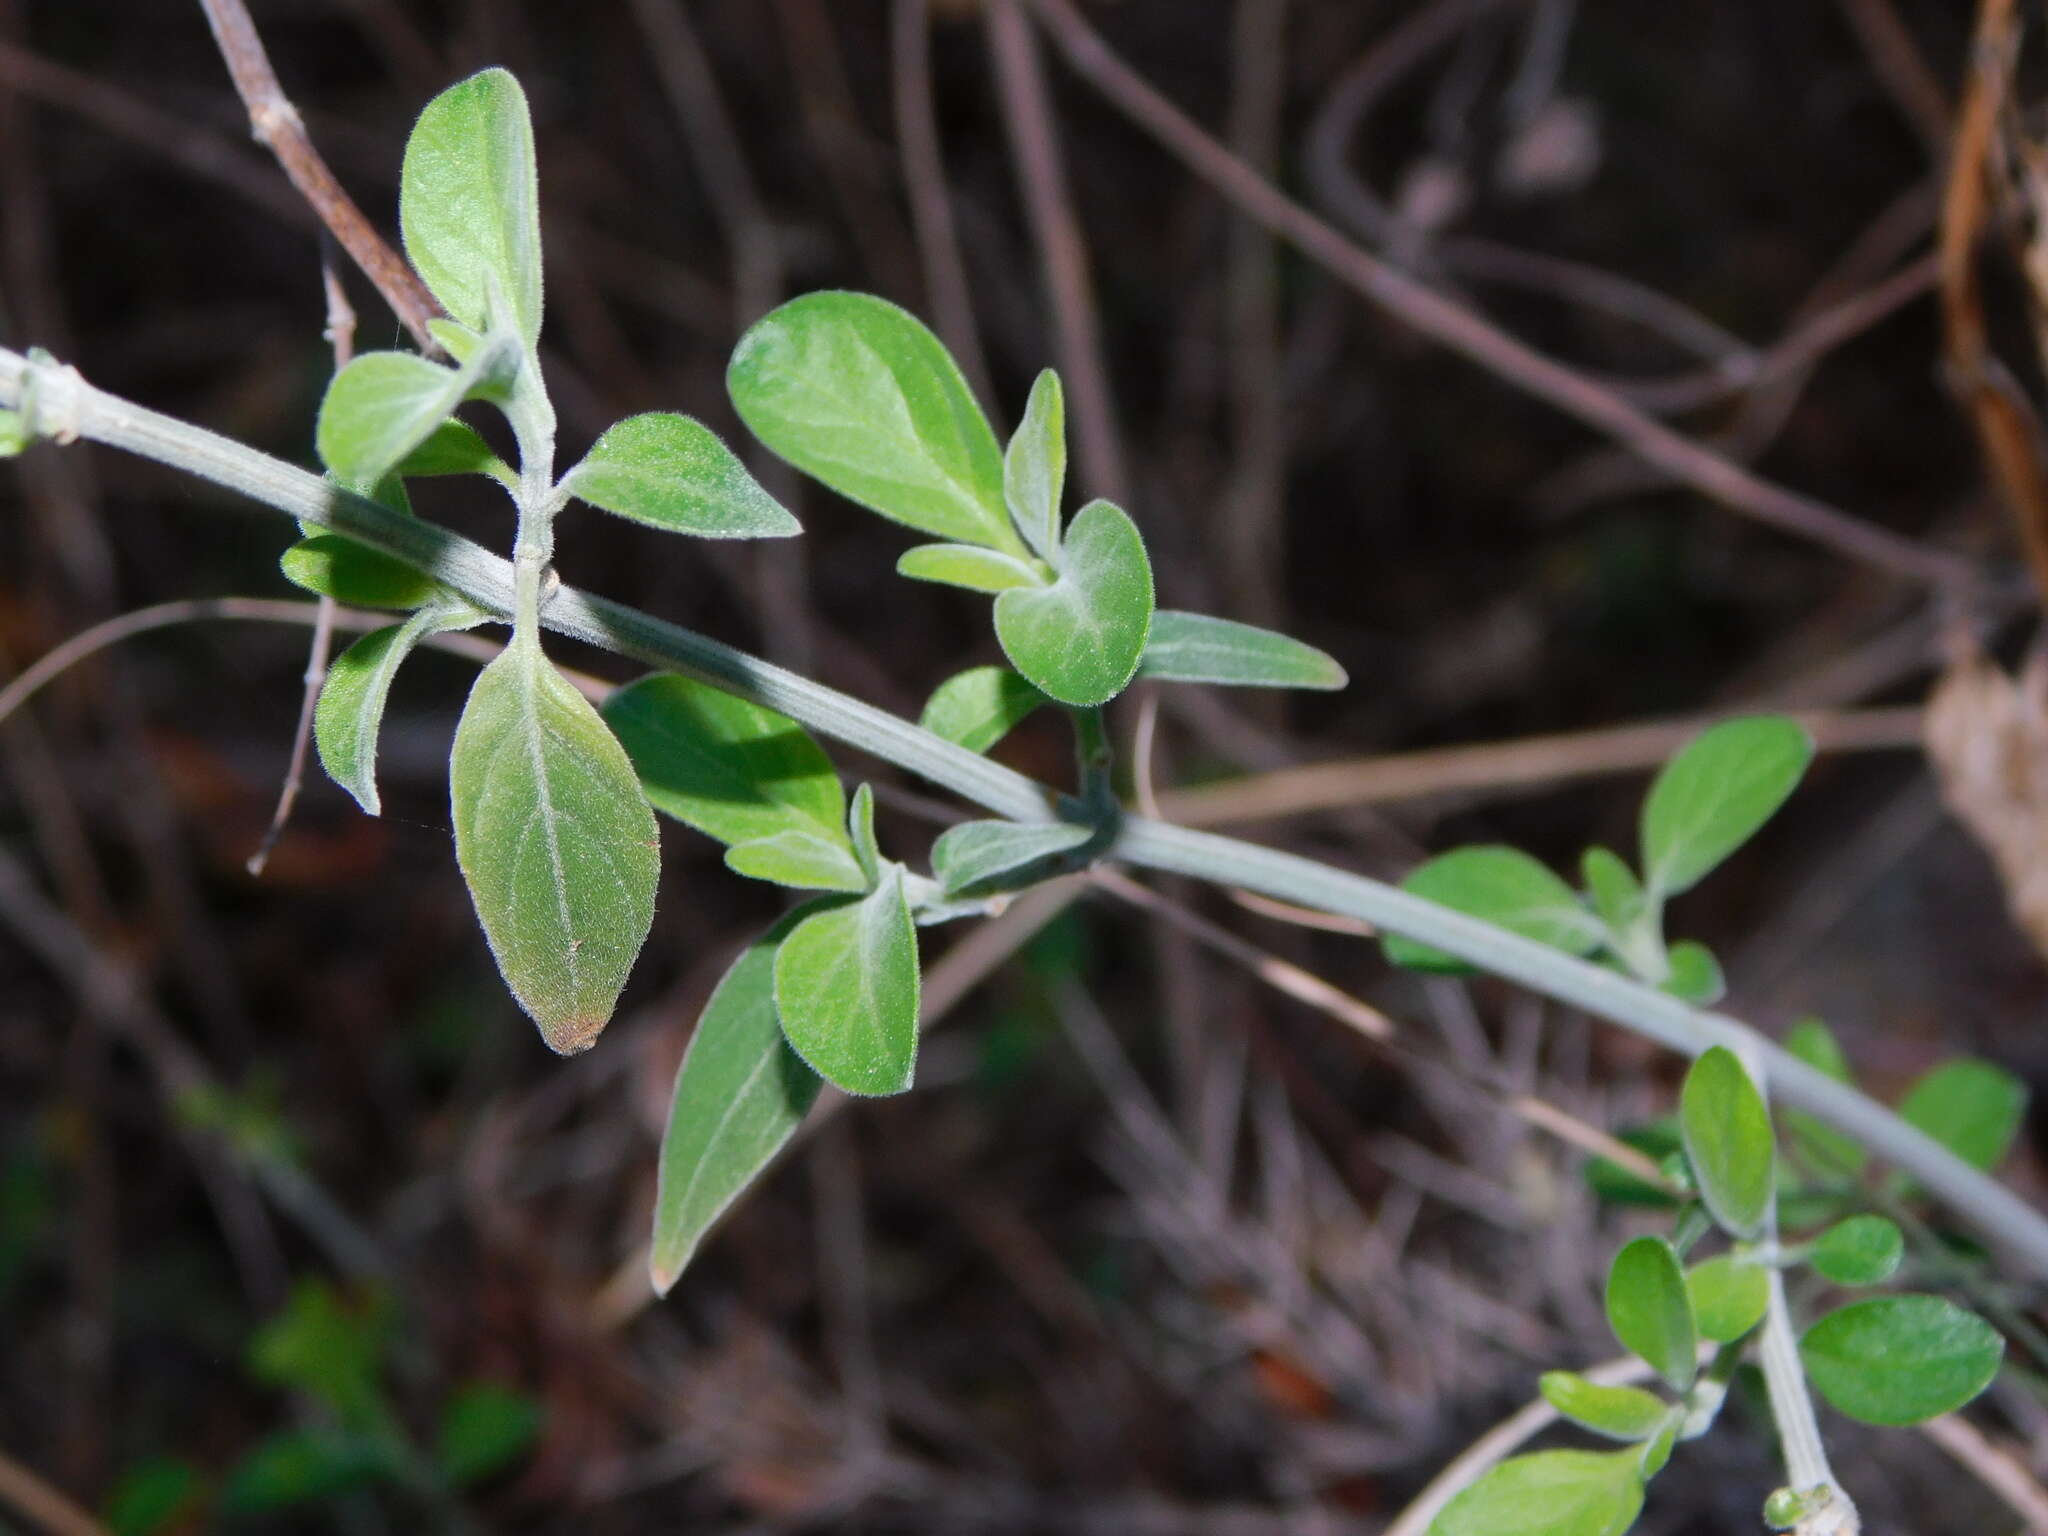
x: 1080, y: 639
x: 556, y: 840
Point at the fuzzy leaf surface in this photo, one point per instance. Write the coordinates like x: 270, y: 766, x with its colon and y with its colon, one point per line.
x: 671, y: 472
x: 1080, y: 639
x: 846, y: 988
x: 1195, y: 648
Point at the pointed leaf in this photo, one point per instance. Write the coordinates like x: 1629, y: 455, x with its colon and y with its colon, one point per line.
x: 1620, y: 1413
x: 859, y: 394
x: 1035, y: 466
x: 331, y: 565
x: 976, y: 853
x: 801, y: 860
x: 1824, y: 1147
x: 556, y: 841
x: 979, y: 707
x: 1901, y: 1360
x: 1502, y: 886
x: 1194, y: 648
x: 455, y: 448
x: 1080, y: 639
x: 351, y: 706
x: 860, y: 834
x: 1862, y: 1250
x: 1549, y: 1493
x: 969, y: 566
x: 469, y: 202
x: 846, y: 988
x: 1970, y: 1106
x: 1616, y: 893
x: 740, y: 1094
x: 1650, y: 1312
x: 1728, y: 1141
x: 1728, y: 1297
x: 1695, y: 974
x: 731, y: 769
x: 671, y: 472
x: 1713, y: 796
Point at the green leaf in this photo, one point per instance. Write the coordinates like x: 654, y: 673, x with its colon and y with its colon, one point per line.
x: 740, y: 1094
x: 485, y: 1428
x: 673, y: 473
x: 860, y: 834
x: 1728, y: 1141
x: 303, y: 1466
x: 383, y: 406
x: 1695, y: 974
x: 802, y: 860
x: 330, y: 565
x: 1035, y: 466
x: 731, y: 769
x: 1862, y: 1250
x: 469, y: 203
x: 1620, y: 1413
x: 1615, y: 892
x: 162, y: 1494
x: 860, y: 395
x: 1498, y: 885
x: 330, y: 1347
x: 969, y: 566
x: 454, y: 448
x: 1612, y: 1182
x: 1650, y: 1312
x: 976, y: 853
x: 1970, y: 1106
x: 351, y: 707
x: 1728, y: 1297
x: 1550, y: 1493
x: 556, y: 840
x: 1901, y: 1360
x: 846, y: 988
x: 13, y: 433
x: 1824, y: 1147
x: 979, y: 707
x: 1080, y: 639
x: 1194, y: 648
x: 1713, y: 796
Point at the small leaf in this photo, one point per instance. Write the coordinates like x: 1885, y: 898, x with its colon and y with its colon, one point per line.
x: 469, y: 202
x: 330, y: 565
x: 802, y: 860
x: 1824, y: 1147
x: 1655, y: 1453
x: 1620, y: 1413
x: 673, y: 473
x: 454, y: 448
x: 13, y: 433
x: 860, y: 834
x: 157, y: 1497
x: 1861, y: 1250
x: 350, y: 712
x: 1610, y: 1181
x: 846, y: 988
x: 969, y: 566
x: 1713, y: 796
x: 859, y: 394
x: 383, y: 406
x: 1901, y: 1360
x: 740, y: 1094
x: 328, y: 1346
x: 979, y: 707
x: 1080, y: 639
x: 485, y: 1428
x: 732, y: 770
x: 303, y: 1466
x: 1650, y: 1312
x: 1970, y: 1106
x: 1035, y: 466
x: 1695, y: 974
x: 1727, y: 1133
x: 1194, y: 648
x: 1728, y: 1297
x: 976, y: 853
x: 556, y: 841
x: 1550, y: 1493
x: 456, y: 339
x: 1616, y: 893
x: 1498, y: 885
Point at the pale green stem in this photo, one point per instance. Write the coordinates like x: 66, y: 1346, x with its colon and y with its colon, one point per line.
x: 73, y: 408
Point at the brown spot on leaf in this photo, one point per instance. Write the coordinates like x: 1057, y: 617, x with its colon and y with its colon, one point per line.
x: 572, y: 1037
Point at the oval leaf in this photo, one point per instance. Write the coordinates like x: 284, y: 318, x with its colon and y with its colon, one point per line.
x: 1080, y: 639
x: 1728, y: 1297
x: 381, y: 408
x: 1035, y: 466
x: 1194, y: 648
x: 976, y: 853
x: 1971, y: 1107
x: 1821, y: 1145
x: 331, y: 565
x: 1616, y: 893
x: 846, y: 988
x: 731, y: 769
x: 1862, y: 1250
x: 1727, y: 1133
x: 740, y: 1094
x: 351, y: 707
x: 1713, y: 796
x: 969, y: 566
x: 1620, y: 1413
x: 802, y: 860
x: 556, y: 841
x: 469, y: 203
x: 1502, y: 886
x: 1650, y: 1312
x: 455, y: 448
x: 671, y: 472
x: 977, y: 708
x: 859, y: 394
x: 1551, y: 1493
x: 1901, y: 1359
x: 1695, y: 975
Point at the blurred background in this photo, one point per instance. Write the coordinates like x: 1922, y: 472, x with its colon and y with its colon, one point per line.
x: 1154, y: 1247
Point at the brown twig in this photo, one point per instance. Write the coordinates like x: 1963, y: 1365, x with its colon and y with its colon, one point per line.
x: 1451, y: 325
x: 1898, y: 63
x: 36, y: 1501
x: 278, y: 128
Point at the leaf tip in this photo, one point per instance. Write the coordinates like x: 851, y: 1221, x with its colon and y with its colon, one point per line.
x: 575, y: 1035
